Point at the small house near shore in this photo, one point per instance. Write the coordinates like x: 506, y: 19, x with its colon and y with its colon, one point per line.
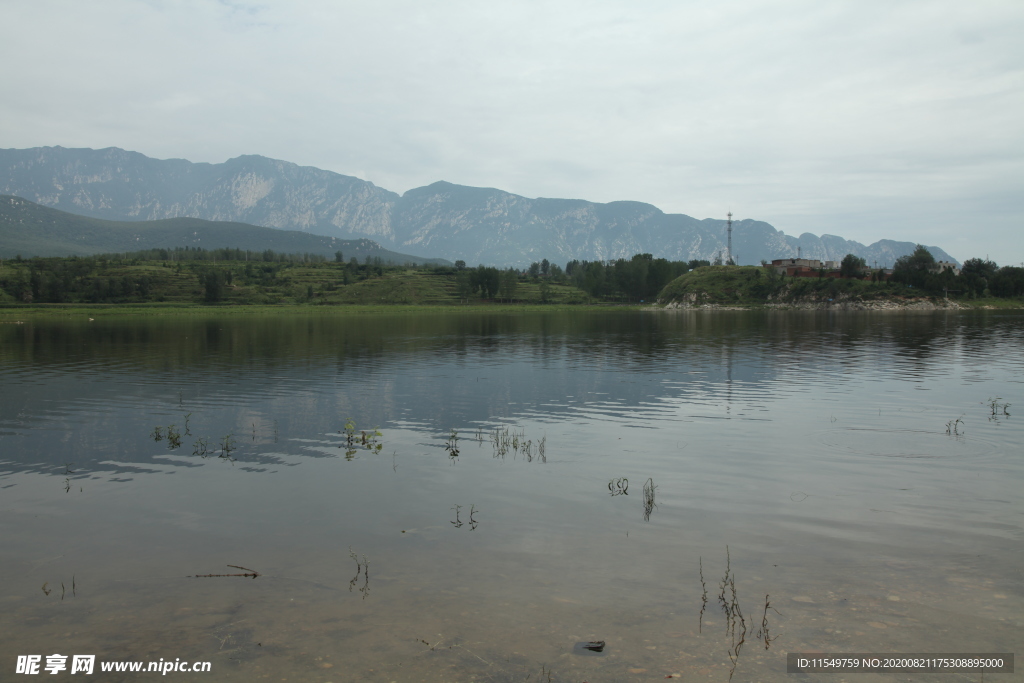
x: 803, y: 266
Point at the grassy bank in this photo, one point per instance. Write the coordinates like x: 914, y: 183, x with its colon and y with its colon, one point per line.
x: 755, y: 286
x: 135, y: 282
x: 10, y: 313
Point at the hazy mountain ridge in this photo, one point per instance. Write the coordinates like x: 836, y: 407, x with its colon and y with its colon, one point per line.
x: 478, y: 225
x: 30, y: 229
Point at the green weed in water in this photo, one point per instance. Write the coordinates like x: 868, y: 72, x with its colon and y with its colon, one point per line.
x: 173, y: 438
x: 953, y: 427
x: 452, y: 445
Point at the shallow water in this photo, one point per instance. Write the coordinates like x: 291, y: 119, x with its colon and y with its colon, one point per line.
x: 799, y: 458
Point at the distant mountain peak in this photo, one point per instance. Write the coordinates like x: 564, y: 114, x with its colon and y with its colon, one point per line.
x: 443, y: 219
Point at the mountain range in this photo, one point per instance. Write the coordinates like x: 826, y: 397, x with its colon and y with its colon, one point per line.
x: 28, y: 229
x: 442, y: 220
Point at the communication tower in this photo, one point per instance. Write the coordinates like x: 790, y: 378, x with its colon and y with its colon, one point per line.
x: 728, y: 229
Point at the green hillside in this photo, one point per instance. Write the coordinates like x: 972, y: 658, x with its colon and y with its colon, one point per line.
x: 755, y: 285
x: 758, y: 286
x: 28, y: 229
x: 224, y: 277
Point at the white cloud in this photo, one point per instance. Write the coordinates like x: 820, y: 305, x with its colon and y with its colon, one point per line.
x: 865, y: 119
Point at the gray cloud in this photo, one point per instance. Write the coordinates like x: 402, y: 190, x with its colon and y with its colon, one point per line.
x: 865, y: 119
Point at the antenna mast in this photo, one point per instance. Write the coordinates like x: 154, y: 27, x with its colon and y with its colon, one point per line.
x: 728, y: 260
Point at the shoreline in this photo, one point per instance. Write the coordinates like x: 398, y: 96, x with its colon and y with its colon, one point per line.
x: 12, y: 313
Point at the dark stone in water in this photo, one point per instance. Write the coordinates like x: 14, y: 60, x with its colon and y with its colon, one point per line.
x: 590, y: 648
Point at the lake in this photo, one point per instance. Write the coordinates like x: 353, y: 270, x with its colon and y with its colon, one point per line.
x: 440, y: 496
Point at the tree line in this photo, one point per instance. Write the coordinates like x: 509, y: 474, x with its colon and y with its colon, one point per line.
x: 114, y: 278
x: 635, y: 279
x: 978, y: 277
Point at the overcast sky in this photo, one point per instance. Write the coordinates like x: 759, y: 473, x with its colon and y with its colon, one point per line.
x: 864, y: 119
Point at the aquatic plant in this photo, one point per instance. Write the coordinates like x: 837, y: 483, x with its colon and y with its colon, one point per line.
x: 452, y: 445
x: 953, y: 426
x: 158, y: 434
x: 366, y: 439
x: 704, y: 595
x: 618, y: 487
x: 998, y: 409
x: 504, y: 440
x: 173, y: 438
x: 649, y: 503
x: 361, y: 568
x: 763, y: 632
x: 731, y: 607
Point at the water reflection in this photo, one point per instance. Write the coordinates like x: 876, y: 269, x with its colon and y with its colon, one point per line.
x: 450, y: 369
x: 770, y: 433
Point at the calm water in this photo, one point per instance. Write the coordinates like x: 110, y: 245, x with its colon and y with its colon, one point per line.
x: 799, y: 456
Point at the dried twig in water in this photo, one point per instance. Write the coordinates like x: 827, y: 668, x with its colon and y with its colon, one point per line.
x: 249, y: 573
x: 649, y: 503
x: 763, y: 633
x: 730, y: 605
x: 361, y: 568
x: 618, y: 487
x: 704, y: 595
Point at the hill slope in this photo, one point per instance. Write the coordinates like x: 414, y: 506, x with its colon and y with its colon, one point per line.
x: 441, y: 220
x: 29, y: 229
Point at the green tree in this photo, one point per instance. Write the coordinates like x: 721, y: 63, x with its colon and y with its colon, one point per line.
x: 463, y: 284
x: 1008, y: 281
x: 851, y: 266
x: 912, y: 269
x: 213, y: 286
x: 509, y: 284
x: 976, y: 274
x: 486, y: 280
x: 545, y: 291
